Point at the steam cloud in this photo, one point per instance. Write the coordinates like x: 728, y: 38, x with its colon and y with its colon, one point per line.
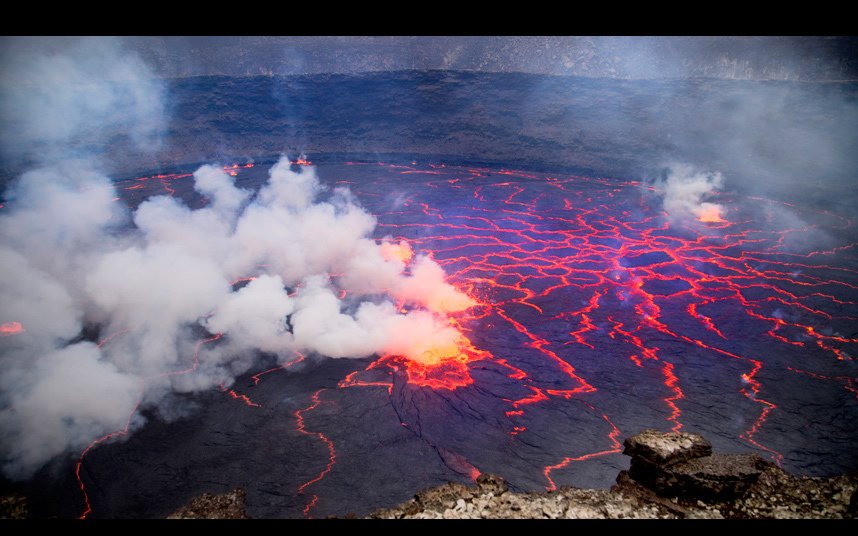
x: 65, y: 98
x: 684, y: 191
x: 71, y: 258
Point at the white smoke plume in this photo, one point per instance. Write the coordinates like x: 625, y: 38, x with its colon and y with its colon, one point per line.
x: 685, y: 192
x: 153, y: 282
x: 161, y: 277
x: 65, y: 96
x: 173, y: 271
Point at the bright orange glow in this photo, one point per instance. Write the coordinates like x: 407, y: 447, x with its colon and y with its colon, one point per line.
x: 447, y: 372
x: 443, y: 367
x: 233, y: 169
x: 710, y: 214
x: 401, y: 251
x: 434, y: 356
x: 450, y: 302
x: 548, y: 268
x: 11, y: 328
x: 241, y: 398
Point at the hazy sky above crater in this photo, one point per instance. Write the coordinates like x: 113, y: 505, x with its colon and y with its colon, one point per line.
x: 625, y: 57
x: 777, y: 129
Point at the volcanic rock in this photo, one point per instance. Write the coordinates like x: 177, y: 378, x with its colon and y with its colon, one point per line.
x: 13, y: 506
x: 778, y: 494
x: 682, y: 464
x: 662, y: 448
x: 490, y: 498
x: 208, y: 506
x: 681, y: 479
x: 711, y: 478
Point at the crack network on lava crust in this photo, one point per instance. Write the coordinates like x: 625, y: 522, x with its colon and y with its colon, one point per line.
x: 561, y: 272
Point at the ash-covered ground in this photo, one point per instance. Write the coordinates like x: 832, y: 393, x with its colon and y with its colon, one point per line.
x: 597, y: 316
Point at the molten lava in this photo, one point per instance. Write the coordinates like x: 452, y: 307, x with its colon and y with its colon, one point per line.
x: 124, y: 431
x: 11, y: 328
x: 449, y: 300
x: 152, y: 184
x: 446, y: 367
x: 710, y: 213
x: 582, y: 315
x: 400, y: 252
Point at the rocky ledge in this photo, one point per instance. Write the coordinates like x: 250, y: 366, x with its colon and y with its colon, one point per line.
x: 207, y: 506
x: 672, y: 475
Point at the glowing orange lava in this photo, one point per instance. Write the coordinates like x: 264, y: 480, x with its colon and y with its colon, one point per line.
x: 401, y: 251
x: 301, y: 426
x: 244, y: 399
x: 450, y: 300
x: 445, y: 368
x: 564, y: 276
x: 11, y: 328
x: 143, y: 186
x: 710, y: 214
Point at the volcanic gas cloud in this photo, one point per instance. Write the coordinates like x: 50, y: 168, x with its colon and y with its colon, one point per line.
x: 686, y: 192
x: 159, y: 279
x: 316, y: 283
x: 521, y: 322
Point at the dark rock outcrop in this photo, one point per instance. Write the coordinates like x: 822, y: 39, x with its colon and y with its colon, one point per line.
x: 662, y: 448
x: 490, y: 498
x: 672, y: 475
x: 208, y: 506
x: 13, y: 506
x: 682, y: 464
x: 716, y: 477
